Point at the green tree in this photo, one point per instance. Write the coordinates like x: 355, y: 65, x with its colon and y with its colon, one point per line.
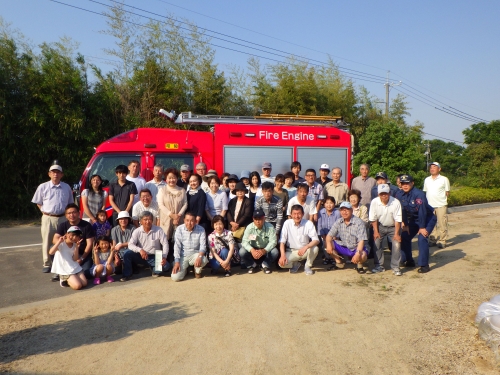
x: 483, y: 133
x: 388, y: 146
x: 484, y: 166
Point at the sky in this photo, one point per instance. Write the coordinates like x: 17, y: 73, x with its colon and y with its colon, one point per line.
x: 445, y: 53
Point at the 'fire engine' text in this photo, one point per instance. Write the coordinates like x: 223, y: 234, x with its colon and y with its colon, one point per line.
x: 285, y: 136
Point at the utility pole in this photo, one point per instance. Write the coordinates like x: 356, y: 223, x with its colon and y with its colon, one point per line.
x: 428, y: 154
x: 388, y: 85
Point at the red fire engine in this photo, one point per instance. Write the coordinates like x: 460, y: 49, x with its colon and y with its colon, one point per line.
x: 228, y: 144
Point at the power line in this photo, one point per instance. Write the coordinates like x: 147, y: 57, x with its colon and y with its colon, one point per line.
x: 451, y: 140
x: 269, y: 36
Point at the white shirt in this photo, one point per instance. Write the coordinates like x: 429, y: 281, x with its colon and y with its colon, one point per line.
x: 139, y: 208
x: 297, y: 236
x: 268, y: 179
x: 154, y: 187
x: 385, y: 214
x: 436, y: 189
x: 139, y: 182
x: 309, y: 206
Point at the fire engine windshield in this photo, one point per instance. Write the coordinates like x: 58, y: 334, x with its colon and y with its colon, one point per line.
x: 174, y: 161
x: 104, y: 165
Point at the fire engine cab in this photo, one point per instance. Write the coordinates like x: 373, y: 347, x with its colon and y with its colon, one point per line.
x: 227, y: 144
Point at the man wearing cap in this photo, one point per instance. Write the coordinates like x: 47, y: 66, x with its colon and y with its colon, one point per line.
x: 381, y: 178
x: 145, y: 203
x: 259, y: 244
x: 299, y: 241
x: 323, y: 178
x: 189, y: 248
x: 121, y: 233
x: 364, y: 184
x: 156, y: 183
x: 385, y: 216
x: 142, y: 247
x: 335, y: 188
x: 266, y: 173
x: 51, y: 197
x: 418, y: 218
x: 347, y: 237
x: 437, y: 188
x: 72, y: 214
x: 183, y: 182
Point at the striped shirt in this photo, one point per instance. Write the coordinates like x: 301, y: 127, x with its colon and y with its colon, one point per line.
x: 325, y: 221
x: 315, y: 192
x: 189, y: 242
x: 349, y: 235
x: 273, y: 210
x: 53, y: 198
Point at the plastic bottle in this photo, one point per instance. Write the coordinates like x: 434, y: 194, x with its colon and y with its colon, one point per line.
x: 489, y: 331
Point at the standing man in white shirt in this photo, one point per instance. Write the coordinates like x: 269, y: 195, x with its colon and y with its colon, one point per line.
x: 437, y: 189
x: 299, y: 241
x: 52, y: 197
x: 386, y: 217
x: 156, y: 183
x: 134, y: 169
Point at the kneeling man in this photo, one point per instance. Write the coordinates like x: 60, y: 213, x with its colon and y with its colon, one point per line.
x: 299, y: 241
x: 142, y: 247
x: 259, y: 244
x: 347, y: 237
x: 189, y: 248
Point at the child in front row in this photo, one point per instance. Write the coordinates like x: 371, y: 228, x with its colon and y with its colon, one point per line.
x: 65, y: 263
x: 104, y: 260
x: 102, y: 227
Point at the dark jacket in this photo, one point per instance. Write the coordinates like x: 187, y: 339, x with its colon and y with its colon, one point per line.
x: 245, y: 214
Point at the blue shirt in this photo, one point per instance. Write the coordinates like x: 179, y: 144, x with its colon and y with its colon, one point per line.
x: 416, y: 209
x: 189, y: 242
x: 393, y: 192
x: 325, y: 221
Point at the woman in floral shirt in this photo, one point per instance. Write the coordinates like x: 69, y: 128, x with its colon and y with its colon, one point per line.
x: 222, y: 247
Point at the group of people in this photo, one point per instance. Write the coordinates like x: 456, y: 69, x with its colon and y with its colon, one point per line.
x: 180, y: 220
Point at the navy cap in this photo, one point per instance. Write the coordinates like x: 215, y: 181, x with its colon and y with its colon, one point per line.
x: 381, y: 175
x: 259, y: 213
x: 406, y: 178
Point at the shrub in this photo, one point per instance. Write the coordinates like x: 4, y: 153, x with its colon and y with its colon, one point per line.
x: 468, y: 195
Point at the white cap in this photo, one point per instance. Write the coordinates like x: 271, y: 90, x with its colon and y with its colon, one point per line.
x: 55, y: 166
x: 384, y: 188
x: 122, y: 215
x: 325, y: 166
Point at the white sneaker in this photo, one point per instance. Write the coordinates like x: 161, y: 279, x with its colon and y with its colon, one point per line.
x: 396, y: 272
x: 295, y: 267
x: 308, y: 271
x: 378, y: 269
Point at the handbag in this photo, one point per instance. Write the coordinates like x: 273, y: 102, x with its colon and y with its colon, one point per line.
x: 238, y: 233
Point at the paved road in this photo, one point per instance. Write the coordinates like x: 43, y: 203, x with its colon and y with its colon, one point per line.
x: 22, y: 279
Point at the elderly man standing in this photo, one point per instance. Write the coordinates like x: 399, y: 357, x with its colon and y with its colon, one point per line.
x: 323, y: 178
x: 418, y: 219
x: 347, y: 237
x: 437, y: 188
x: 201, y: 169
x: 189, y: 248
x: 142, y: 247
x: 259, y: 244
x: 299, y: 241
x: 385, y: 216
x: 335, y: 188
x: 146, y: 203
x: 266, y: 173
x: 51, y: 197
x: 183, y: 182
x: 156, y: 183
x: 364, y: 184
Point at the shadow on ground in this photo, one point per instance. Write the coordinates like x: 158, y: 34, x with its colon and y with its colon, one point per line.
x: 67, y: 335
x: 460, y: 238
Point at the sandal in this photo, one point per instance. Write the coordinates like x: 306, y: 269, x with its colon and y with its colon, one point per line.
x: 97, y: 281
x: 360, y: 269
x: 336, y: 266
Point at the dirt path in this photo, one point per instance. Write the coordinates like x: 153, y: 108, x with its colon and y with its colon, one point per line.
x: 331, y: 323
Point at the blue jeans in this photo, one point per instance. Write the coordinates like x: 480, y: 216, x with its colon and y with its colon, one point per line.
x: 247, y: 259
x: 130, y: 257
x: 214, y: 263
x: 423, y: 245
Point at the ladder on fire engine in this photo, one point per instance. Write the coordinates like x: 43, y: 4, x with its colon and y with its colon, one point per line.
x: 266, y: 119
